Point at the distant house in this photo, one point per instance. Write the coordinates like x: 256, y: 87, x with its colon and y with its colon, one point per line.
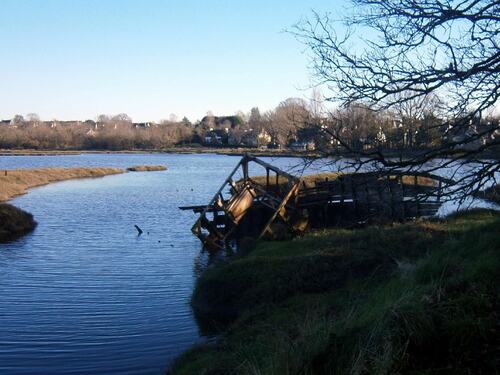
x: 302, y: 146
x: 249, y: 139
x: 463, y: 135
x: 254, y: 138
x: 215, y: 137
x: 264, y: 137
x: 141, y: 125
x: 381, y: 137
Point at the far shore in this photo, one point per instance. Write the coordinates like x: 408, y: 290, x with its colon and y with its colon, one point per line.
x: 173, y: 150
x: 240, y: 151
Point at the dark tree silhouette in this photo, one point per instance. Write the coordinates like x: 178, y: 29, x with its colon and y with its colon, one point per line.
x: 398, y: 52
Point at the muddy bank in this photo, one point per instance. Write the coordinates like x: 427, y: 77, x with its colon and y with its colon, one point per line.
x: 14, y: 222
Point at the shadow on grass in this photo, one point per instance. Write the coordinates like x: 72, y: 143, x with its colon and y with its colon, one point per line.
x: 419, y: 297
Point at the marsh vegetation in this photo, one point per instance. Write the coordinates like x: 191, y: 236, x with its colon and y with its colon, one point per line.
x: 400, y: 298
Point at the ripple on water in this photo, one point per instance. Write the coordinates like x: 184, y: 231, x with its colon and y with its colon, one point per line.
x: 83, y: 294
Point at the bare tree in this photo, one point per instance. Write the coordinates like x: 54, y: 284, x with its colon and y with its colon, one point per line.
x: 400, y: 52
x: 33, y: 118
x: 255, y: 119
x: 289, y: 116
x: 18, y: 120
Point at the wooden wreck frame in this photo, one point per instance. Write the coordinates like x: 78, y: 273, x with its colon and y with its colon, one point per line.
x: 227, y: 213
x: 360, y: 196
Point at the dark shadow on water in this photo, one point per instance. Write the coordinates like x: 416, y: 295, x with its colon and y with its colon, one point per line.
x: 210, y: 326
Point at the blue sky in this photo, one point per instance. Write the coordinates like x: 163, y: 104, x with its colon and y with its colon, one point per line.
x: 75, y: 59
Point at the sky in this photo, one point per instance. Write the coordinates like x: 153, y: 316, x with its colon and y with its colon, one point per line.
x: 75, y: 59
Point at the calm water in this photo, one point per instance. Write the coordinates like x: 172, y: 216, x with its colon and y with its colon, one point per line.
x: 83, y: 294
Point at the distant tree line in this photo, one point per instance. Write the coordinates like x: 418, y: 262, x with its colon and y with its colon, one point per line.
x: 294, y: 124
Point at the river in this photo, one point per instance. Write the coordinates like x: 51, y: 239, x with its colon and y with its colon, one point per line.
x: 83, y: 294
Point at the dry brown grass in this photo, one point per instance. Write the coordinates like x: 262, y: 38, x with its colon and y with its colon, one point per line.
x: 147, y: 168
x: 16, y: 182
x: 421, y: 180
x: 311, y: 180
x: 308, y: 180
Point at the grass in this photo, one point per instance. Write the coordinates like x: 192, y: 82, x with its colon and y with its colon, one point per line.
x: 147, y: 168
x: 16, y: 182
x: 14, y: 222
x: 414, y: 298
x: 308, y: 180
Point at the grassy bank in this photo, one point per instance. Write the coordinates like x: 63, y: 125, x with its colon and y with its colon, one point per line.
x: 16, y: 182
x: 411, y: 298
x: 147, y: 168
x: 14, y: 222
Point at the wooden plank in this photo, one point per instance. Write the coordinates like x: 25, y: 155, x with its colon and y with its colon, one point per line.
x: 292, y: 191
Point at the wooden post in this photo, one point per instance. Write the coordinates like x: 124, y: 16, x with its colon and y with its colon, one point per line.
x: 342, y: 190
x: 354, y: 198
x: 367, y: 191
x: 287, y: 197
x: 403, y: 193
x: 439, y: 191
x: 267, y: 179
x: 379, y: 190
x: 277, y: 183
x: 391, y: 195
x: 244, y: 166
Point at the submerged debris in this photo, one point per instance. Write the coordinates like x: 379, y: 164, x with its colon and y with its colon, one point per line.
x: 139, y: 230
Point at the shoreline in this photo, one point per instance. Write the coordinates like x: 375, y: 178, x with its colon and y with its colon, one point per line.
x: 16, y: 182
x: 223, y: 151
x: 187, y: 150
x: 15, y: 222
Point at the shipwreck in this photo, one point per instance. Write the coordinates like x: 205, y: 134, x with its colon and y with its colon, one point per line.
x: 277, y: 204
